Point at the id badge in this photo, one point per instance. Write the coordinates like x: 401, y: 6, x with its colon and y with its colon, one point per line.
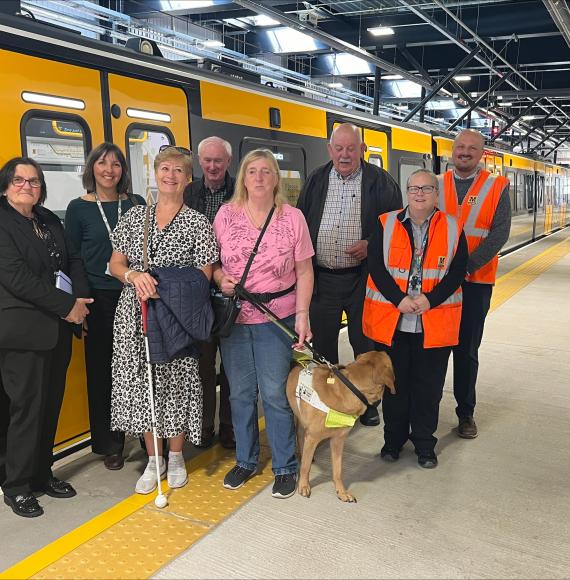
x: 108, y: 270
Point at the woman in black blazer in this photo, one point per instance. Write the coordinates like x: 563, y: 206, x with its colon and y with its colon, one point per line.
x: 36, y: 324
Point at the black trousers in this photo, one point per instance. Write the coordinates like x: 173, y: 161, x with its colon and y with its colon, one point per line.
x: 33, y: 384
x: 413, y: 412
x: 207, y: 369
x: 98, y: 356
x: 476, y: 303
x: 335, y: 293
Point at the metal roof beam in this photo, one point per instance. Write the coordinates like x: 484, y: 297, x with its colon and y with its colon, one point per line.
x: 535, y: 128
x: 559, y: 13
x: 485, y: 95
x: 434, y: 90
x: 332, y: 41
x: 514, y: 120
x: 548, y: 136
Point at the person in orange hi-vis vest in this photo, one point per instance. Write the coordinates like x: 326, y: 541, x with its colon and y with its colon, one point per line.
x: 417, y: 261
x: 481, y: 202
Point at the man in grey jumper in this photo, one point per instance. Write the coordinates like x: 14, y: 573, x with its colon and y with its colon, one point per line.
x: 481, y: 201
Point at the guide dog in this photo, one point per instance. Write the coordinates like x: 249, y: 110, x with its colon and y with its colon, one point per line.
x: 370, y: 373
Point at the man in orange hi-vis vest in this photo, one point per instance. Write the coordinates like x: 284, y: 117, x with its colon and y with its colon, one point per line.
x: 481, y: 202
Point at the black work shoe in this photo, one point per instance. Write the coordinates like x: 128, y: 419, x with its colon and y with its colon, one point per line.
x: 389, y: 454
x: 370, y: 417
x: 207, y: 438
x: 237, y: 476
x: 57, y: 488
x: 467, y: 429
x: 114, y: 462
x: 25, y: 505
x: 227, y: 438
x: 427, y: 460
x: 284, y: 486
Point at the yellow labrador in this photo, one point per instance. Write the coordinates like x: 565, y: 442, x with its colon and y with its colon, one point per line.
x: 371, y: 372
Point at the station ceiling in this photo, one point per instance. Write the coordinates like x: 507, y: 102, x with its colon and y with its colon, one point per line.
x: 514, y: 55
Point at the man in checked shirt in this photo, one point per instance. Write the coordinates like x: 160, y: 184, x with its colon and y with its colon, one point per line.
x: 341, y: 202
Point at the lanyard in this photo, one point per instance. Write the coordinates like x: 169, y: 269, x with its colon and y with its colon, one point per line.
x: 100, y: 206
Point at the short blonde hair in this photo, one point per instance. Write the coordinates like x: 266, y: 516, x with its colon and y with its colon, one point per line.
x: 240, y: 195
x: 427, y: 172
x: 174, y: 153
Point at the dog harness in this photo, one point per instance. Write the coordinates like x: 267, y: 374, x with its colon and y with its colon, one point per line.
x: 305, y: 391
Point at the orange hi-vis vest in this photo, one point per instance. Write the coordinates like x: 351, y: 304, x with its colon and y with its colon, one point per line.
x: 440, y: 324
x: 476, y: 214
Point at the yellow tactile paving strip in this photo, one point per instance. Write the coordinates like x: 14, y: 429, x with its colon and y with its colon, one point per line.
x: 515, y: 280
x: 134, y: 539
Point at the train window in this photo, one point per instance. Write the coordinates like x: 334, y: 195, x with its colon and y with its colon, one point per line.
x: 407, y: 165
x: 59, y: 146
x: 291, y: 158
x: 375, y: 159
x: 510, y: 175
x: 144, y: 144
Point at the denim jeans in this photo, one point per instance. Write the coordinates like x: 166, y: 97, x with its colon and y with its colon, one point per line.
x: 257, y: 359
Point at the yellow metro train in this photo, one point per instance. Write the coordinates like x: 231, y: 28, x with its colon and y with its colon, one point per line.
x: 63, y: 94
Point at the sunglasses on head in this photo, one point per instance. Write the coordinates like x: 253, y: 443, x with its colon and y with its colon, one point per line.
x: 182, y: 150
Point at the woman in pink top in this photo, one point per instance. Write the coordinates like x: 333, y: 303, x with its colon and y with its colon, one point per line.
x: 257, y: 354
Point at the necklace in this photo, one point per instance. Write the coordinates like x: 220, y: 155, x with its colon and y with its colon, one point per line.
x: 254, y: 222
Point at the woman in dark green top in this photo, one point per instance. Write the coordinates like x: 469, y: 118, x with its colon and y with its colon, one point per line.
x: 89, y: 221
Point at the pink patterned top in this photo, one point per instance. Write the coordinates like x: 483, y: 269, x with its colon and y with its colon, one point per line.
x: 285, y: 242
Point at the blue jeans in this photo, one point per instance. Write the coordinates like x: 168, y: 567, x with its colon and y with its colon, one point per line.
x: 257, y: 359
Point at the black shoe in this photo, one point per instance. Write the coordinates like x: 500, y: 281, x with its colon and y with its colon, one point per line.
x: 227, y: 438
x: 370, y: 417
x: 427, y: 460
x: 237, y: 476
x: 284, y: 486
x: 57, y: 488
x: 467, y: 429
x: 114, y: 461
x: 390, y: 454
x: 26, y: 505
x: 207, y: 438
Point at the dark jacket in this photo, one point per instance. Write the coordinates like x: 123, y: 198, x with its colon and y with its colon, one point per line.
x: 195, y: 193
x: 182, y: 315
x: 380, y: 194
x: 387, y: 285
x: 30, y: 304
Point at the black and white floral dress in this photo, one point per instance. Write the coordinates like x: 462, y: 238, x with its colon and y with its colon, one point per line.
x: 187, y: 241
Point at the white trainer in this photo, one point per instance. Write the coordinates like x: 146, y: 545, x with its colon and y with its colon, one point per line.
x: 177, y: 475
x: 147, y: 481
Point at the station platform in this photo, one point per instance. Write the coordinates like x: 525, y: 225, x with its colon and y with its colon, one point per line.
x: 496, y: 506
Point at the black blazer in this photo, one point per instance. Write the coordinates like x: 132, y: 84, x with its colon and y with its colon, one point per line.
x: 30, y: 304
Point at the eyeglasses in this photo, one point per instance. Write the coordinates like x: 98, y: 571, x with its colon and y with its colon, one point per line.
x: 415, y: 189
x: 264, y: 172
x: 20, y: 181
x: 182, y: 150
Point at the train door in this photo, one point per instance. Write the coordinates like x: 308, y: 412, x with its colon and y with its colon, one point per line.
x: 539, y: 199
x: 51, y: 111
x: 410, y: 151
x: 144, y: 117
x: 292, y: 160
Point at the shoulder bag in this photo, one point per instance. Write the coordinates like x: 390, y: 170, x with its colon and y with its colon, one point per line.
x: 227, y: 308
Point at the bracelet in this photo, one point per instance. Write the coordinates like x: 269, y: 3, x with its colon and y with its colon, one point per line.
x: 126, y: 276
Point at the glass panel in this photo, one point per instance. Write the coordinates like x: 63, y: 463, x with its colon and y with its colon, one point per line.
x: 59, y: 147
x: 291, y: 162
x: 144, y: 145
x: 375, y: 159
x: 540, y: 213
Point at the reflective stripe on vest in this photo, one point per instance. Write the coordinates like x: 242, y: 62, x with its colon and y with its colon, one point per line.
x: 440, y: 324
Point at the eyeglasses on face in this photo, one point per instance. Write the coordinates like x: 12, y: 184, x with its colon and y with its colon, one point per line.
x: 182, y: 150
x: 20, y: 181
x: 415, y: 189
x: 264, y: 172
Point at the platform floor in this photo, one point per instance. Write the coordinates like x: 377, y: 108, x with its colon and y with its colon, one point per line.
x: 496, y: 507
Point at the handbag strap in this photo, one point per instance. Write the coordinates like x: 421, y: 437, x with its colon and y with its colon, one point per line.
x: 255, y: 248
x: 145, y: 238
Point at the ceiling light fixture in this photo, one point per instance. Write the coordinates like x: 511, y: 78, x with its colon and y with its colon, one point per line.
x: 335, y: 85
x: 462, y: 78
x: 505, y: 104
x: 213, y: 43
x: 381, y: 31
